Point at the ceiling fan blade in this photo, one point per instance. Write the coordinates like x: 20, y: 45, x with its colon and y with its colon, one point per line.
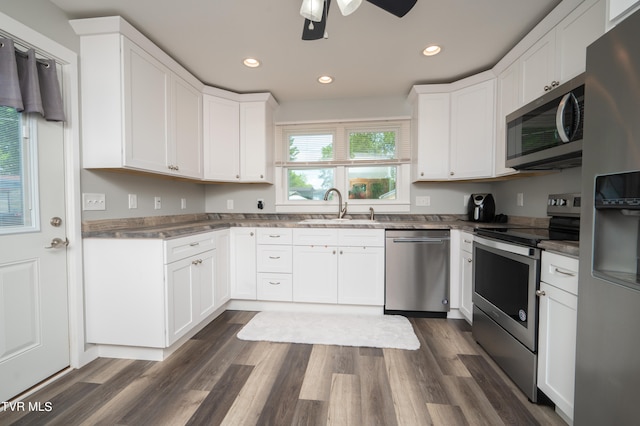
x: 395, y: 7
x: 318, y: 27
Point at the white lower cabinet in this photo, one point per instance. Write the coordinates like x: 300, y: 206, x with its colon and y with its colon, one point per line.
x: 151, y: 292
x: 557, y: 330
x: 466, y: 275
x: 243, y: 263
x: 275, y: 264
x: 329, y: 266
x: 190, y: 293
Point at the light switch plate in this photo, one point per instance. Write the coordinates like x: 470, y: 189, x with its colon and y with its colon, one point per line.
x: 93, y: 201
x: 133, y: 201
x: 520, y: 199
x: 157, y: 203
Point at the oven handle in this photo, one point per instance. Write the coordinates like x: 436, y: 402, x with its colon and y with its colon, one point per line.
x: 510, y: 248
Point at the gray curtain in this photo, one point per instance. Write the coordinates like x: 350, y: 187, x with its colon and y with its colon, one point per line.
x: 29, y: 84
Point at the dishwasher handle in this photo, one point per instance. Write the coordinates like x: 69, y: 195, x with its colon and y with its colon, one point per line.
x: 430, y: 240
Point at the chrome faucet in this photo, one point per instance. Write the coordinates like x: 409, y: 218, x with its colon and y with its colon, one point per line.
x: 341, y: 211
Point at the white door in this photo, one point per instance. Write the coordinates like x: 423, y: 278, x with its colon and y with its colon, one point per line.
x: 34, y: 322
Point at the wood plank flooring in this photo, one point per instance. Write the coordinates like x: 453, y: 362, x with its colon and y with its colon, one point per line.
x: 217, y: 379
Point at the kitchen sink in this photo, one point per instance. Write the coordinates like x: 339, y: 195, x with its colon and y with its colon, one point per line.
x: 337, y: 221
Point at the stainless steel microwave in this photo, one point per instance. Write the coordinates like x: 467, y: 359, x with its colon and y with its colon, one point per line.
x: 547, y: 133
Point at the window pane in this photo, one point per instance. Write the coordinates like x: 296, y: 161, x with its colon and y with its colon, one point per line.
x: 12, y: 179
x: 372, y: 145
x: 372, y: 183
x: 309, y: 184
x: 313, y: 147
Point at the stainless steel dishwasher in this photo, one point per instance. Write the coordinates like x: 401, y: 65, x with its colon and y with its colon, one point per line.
x: 417, y: 272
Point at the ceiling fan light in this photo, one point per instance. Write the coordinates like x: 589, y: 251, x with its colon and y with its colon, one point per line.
x: 312, y: 10
x: 347, y: 7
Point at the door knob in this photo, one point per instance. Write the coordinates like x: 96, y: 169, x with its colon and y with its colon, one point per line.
x: 58, y: 243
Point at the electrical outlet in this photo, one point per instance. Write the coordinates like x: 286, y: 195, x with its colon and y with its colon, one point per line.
x: 229, y: 204
x: 93, y: 202
x: 520, y: 199
x: 423, y: 201
x: 157, y: 203
x: 133, y: 201
x: 183, y: 203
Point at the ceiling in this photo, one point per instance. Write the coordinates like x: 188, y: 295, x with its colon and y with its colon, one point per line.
x: 370, y: 53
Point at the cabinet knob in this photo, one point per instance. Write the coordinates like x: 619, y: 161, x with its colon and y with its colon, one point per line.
x: 469, y: 260
x: 547, y: 88
x: 421, y: 173
x: 251, y: 234
x: 451, y: 173
x: 237, y: 176
x: 334, y: 252
x: 261, y: 176
x: 555, y: 83
x: 540, y: 293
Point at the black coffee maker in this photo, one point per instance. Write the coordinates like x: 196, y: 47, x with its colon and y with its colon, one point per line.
x: 481, y: 208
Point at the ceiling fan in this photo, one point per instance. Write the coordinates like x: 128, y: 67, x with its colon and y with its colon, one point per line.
x: 315, y: 13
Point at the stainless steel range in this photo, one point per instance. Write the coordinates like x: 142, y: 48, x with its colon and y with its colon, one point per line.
x: 506, y: 277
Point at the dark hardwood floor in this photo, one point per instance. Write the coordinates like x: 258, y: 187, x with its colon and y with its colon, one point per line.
x: 216, y: 378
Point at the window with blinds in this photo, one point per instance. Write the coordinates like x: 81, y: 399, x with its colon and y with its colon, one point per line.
x: 14, y: 178
x: 364, y: 160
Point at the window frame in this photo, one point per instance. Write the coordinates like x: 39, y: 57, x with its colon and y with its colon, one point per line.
x: 341, y: 163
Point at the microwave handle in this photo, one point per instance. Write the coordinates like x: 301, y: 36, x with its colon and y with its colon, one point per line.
x: 564, y: 103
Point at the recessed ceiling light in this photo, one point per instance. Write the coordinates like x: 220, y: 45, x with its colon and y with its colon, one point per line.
x: 251, y: 62
x: 325, y: 79
x: 431, y: 50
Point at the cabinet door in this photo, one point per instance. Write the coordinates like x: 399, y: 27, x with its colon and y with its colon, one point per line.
x: 557, y: 346
x: 361, y: 275
x: 466, y: 281
x: 204, y: 276
x: 315, y: 274
x: 508, y: 100
x: 221, y: 125
x: 430, y: 130
x: 472, y: 131
x: 577, y: 31
x: 187, y: 129
x: 537, y: 68
x: 256, y: 142
x: 243, y: 263
x: 146, y: 114
x: 222, y: 284
x: 180, y: 295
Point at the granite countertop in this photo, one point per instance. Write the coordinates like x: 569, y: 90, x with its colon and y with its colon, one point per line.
x: 567, y: 248
x: 167, y: 227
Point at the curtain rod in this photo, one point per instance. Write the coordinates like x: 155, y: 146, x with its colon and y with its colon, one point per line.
x: 22, y: 45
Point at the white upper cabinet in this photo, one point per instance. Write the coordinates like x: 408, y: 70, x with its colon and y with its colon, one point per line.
x: 238, y: 136
x: 140, y: 109
x: 472, y: 131
x: 620, y: 9
x: 508, y: 100
x: 561, y: 54
x: 453, y: 129
x: 221, y: 126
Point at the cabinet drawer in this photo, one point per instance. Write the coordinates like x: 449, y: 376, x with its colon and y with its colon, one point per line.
x: 466, y: 242
x: 274, y: 258
x: 315, y: 237
x: 275, y: 235
x: 361, y: 237
x: 179, y: 248
x: 276, y: 287
x: 560, y: 271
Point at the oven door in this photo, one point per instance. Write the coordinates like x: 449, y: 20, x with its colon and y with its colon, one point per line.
x: 505, y: 280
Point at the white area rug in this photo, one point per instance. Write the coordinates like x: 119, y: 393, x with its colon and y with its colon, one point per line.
x: 377, y: 331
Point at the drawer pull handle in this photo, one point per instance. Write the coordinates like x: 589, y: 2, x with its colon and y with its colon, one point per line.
x: 565, y: 273
x: 274, y: 282
x: 274, y: 257
x: 194, y: 244
x: 468, y: 242
x: 274, y: 236
x: 197, y: 262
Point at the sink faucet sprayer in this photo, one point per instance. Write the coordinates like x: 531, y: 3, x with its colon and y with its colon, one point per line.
x: 341, y: 211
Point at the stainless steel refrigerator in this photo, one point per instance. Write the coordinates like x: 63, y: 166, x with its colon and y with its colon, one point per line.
x: 607, y: 389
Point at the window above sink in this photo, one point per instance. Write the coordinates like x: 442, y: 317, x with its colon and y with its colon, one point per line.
x: 367, y: 161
